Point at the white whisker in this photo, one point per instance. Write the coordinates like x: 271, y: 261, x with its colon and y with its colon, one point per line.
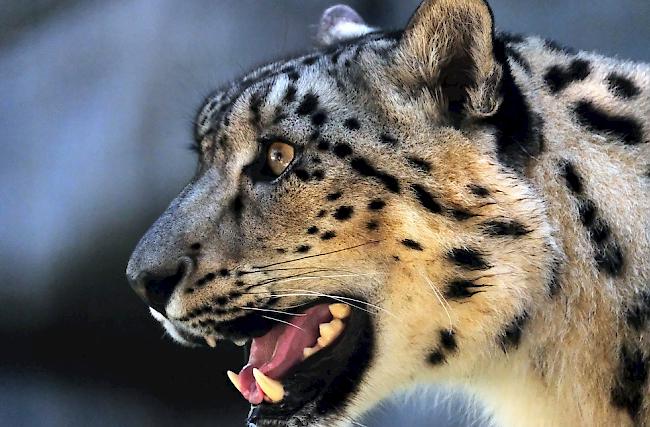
x: 441, y: 299
x: 285, y: 322
x: 272, y: 311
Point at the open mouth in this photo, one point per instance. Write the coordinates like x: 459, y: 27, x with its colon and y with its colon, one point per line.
x: 306, y: 366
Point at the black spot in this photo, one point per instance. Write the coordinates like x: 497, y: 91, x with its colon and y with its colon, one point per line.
x: 505, y: 228
x: 625, y: 128
x: 312, y: 230
x: 587, y: 212
x: 609, y: 258
x: 303, y: 249
x: 321, y: 213
x: 638, y: 315
x: 195, y: 246
x: 630, y: 381
x: 308, y: 105
x: 573, y: 180
x: 290, y: 94
x: 342, y: 150
x: 281, y: 250
x: 334, y: 196
x: 412, y: 244
x: 396, y: 258
x: 317, y: 160
x: 436, y: 357
x: 318, y: 174
x: 372, y: 225
x: 511, y: 336
x: 557, y: 77
x: 310, y: 60
x: 237, y: 207
x: 323, y: 145
x: 448, y: 340
x: 189, y: 290
x: 352, y: 124
x: 221, y: 300
x: 459, y: 289
x: 554, y: 283
x: 622, y: 86
x: 328, y: 235
x: 343, y: 213
x: 362, y: 166
x: 302, y: 174
x: 426, y: 199
x: 319, y: 118
x: 293, y: 75
x: 461, y: 214
x: 419, y: 163
x: 387, y: 139
x: 518, y: 128
x: 376, y: 205
x: 478, y: 190
x: 468, y: 258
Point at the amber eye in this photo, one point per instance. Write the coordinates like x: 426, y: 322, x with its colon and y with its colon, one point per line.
x: 278, y: 157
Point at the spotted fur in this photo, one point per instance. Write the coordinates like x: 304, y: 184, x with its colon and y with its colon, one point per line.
x: 488, y: 192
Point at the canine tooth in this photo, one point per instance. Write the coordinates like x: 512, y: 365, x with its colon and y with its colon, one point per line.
x: 211, y: 341
x: 329, y: 332
x: 310, y: 351
x: 241, y: 342
x: 234, y: 379
x: 272, y: 388
x: 340, y: 310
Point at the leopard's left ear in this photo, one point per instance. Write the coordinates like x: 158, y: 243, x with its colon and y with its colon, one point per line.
x: 339, y: 23
x: 448, y: 48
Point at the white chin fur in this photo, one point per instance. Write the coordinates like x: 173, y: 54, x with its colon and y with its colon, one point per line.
x: 169, y: 328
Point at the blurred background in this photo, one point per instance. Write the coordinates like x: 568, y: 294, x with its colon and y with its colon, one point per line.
x: 96, y: 106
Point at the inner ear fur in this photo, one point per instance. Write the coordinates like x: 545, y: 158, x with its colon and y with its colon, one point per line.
x: 448, y: 47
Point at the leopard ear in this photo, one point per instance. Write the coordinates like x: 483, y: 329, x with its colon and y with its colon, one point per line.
x: 447, y: 47
x: 339, y: 23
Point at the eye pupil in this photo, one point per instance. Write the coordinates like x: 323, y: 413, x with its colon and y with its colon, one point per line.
x: 279, y: 156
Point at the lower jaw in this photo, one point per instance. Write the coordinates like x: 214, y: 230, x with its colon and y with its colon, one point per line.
x: 322, y: 386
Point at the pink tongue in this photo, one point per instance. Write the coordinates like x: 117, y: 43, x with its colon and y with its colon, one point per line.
x: 281, y: 349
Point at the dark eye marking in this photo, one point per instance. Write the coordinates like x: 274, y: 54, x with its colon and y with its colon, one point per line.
x: 352, y: 123
x: 334, y: 196
x: 468, y: 258
x: 376, y: 205
x: 412, y: 244
x: 343, y: 213
x: 302, y: 174
x: 308, y: 105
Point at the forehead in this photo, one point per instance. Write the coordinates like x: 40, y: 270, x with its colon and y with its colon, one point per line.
x: 326, y: 72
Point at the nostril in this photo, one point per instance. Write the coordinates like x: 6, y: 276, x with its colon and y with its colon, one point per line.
x: 156, y: 289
